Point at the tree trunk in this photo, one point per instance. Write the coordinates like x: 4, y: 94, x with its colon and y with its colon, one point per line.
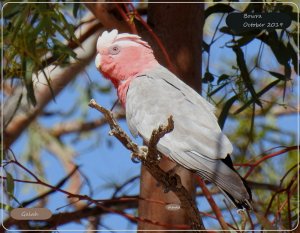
x: 179, y: 26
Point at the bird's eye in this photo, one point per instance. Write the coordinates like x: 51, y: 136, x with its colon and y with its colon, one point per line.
x: 114, y: 50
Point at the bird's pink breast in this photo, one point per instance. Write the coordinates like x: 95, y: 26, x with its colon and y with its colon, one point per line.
x: 124, y: 85
x: 122, y: 90
x: 128, y: 65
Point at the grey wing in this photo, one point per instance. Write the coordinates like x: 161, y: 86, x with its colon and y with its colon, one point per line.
x: 196, y: 142
x: 152, y: 98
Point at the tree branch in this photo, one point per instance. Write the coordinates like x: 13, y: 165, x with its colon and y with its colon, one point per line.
x: 150, y: 161
x: 103, y: 206
x: 106, y: 14
x: 265, y: 157
x: 79, y: 126
x: 213, y: 204
x: 47, y: 193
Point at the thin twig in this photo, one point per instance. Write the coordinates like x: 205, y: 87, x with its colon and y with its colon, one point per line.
x: 212, y: 203
x: 126, y: 17
x: 116, y: 130
x: 51, y: 191
x: 266, y: 157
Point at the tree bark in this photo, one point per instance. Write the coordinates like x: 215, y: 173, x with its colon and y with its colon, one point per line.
x: 179, y: 27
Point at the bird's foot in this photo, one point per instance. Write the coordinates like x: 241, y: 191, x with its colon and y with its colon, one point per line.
x: 142, y: 154
x: 241, y: 211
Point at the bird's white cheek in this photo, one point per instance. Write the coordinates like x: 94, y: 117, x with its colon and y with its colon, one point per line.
x: 98, y: 61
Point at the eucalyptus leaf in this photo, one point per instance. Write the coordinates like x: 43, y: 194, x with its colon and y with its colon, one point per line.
x: 240, y: 59
x: 28, y: 81
x: 12, y: 9
x: 222, y: 78
x: 208, y: 77
x: 10, y: 186
x: 76, y: 7
x: 259, y: 94
x: 225, y: 111
x: 245, y: 40
x: 277, y: 75
x: 5, y: 207
x: 294, y: 57
x: 205, y: 46
x: 218, y: 8
x: 280, y: 51
x: 227, y: 30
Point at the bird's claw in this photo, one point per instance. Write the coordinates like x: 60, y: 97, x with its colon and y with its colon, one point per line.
x: 112, y: 132
x: 241, y: 211
x: 142, y: 154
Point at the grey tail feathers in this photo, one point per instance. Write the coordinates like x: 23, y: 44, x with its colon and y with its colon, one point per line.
x: 240, y: 204
x: 244, y: 204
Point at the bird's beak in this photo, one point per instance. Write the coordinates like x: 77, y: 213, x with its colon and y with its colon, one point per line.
x: 98, y: 61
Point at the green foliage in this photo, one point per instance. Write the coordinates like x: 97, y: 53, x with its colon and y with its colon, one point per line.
x: 5, y: 207
x: 225, y: 110
x: 244, y: 84
x: 208, y: 77
x: 10, y: 186
x: 33, y: 35
x: 247, y: 91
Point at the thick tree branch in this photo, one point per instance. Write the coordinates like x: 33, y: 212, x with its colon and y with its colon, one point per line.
x: 107, y: 14
x: 150, y: 161
x: 79, y: 126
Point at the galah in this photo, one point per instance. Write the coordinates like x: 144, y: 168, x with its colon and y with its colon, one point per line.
x: 150, y: 93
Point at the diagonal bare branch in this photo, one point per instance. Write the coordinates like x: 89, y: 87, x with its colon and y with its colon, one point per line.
x: 106, y: 14
x: 169, y: 182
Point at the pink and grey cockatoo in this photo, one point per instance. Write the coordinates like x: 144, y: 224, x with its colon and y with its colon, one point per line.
x: 150, y: 94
